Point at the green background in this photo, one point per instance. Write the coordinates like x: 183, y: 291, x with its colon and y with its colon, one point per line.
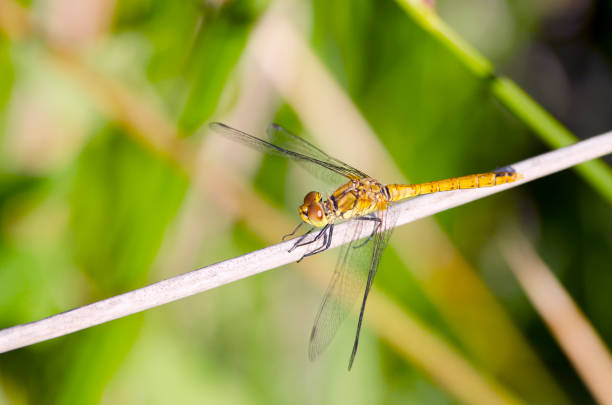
x: 90, y: 207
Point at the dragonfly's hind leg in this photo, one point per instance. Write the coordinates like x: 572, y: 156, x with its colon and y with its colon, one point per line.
x: 374, y: 231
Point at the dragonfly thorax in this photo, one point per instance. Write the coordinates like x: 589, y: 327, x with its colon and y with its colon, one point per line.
x: 312, y: 211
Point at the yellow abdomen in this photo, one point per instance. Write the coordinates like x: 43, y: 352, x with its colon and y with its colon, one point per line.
x: 401, y: 191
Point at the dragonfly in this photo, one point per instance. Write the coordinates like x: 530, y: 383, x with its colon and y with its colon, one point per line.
x: 361, y: 198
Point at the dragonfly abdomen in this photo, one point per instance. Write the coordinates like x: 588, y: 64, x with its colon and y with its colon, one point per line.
x: 401, y: 191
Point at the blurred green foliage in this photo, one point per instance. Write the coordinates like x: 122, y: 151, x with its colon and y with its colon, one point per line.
x: 95, y: 223
x: 116, y: 229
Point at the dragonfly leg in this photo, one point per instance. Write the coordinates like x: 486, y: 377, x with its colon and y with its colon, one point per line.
x: 299, y: 242
x: 294, y: 231
x: 374, y: 231
x: 327, y: 238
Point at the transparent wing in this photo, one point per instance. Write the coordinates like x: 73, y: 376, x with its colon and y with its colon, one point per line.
x: 379, y: 244
x: 286, y: 144
x: 291, y: 141
x: 346, y: 284
x: 352, y: 278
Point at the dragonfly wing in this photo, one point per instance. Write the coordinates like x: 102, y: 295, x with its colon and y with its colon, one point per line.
x: 352, y: 278
x: 284, y: 138
x: 345, y: 286
x: 284, y: 143
x: 379, y: 244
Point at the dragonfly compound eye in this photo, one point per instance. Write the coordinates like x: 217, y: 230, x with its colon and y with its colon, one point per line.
x: 313, y: 214
x: 316, y: 214
x: 312, y: 197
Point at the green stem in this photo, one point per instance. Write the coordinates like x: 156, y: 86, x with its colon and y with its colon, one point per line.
x: 542, y: 123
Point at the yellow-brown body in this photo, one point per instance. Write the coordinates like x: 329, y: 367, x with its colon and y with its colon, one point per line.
x: 361, y: 197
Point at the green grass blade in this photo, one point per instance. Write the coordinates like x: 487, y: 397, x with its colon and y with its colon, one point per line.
x: 541, y: 122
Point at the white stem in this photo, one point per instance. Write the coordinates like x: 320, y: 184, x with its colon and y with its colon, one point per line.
x: 277, y: 255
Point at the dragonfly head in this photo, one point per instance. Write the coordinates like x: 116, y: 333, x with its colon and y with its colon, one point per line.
x: 312, y: 211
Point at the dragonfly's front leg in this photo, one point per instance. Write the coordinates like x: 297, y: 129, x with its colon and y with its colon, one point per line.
x: 327, y: 238
x: 325, y: 233
x: 299, y: 242
x: 295, y: 230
